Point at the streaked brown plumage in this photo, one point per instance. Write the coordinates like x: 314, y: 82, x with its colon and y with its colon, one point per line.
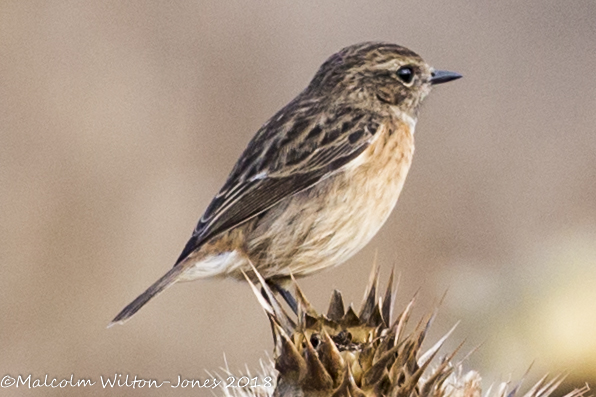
x: 319, y: 178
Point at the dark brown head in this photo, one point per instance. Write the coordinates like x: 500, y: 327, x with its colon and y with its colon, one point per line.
x: 378, y: 75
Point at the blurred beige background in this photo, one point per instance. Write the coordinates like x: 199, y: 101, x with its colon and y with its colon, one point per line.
x: 120, y: 120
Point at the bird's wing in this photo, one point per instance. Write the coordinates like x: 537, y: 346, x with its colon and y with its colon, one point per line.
x: 290, y: 153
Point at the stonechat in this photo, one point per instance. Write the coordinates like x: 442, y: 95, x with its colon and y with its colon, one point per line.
x: 318, y: 179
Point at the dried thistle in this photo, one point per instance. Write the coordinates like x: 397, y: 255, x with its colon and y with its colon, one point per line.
x: 344, y: 353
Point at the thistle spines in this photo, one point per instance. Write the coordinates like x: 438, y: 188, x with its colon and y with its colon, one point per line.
x: 342, y: 353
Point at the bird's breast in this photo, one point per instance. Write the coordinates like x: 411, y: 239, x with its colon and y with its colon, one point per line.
x: 328, y: 223
x: 375, y: 185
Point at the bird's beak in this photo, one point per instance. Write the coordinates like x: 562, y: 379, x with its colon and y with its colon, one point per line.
x: 443, y: 76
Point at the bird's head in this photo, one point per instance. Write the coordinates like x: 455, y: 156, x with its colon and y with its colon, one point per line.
x: 378, y: 76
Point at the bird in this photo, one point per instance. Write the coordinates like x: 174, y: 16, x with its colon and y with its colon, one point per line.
x: 319, y: 178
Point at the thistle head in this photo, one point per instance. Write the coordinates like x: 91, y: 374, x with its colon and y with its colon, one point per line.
x: 368, y: 353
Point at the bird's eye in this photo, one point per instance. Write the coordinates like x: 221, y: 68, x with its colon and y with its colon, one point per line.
x: 405, y: 74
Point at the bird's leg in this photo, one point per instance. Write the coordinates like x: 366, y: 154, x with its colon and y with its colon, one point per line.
x: 264, y: 293
x: 285, y: 293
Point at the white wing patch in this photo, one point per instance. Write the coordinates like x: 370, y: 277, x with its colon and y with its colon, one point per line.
x: 259, y: 176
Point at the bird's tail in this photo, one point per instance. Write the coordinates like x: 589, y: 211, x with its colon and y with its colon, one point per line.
x: 159, y: 286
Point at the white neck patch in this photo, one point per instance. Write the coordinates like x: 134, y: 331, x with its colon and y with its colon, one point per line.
x: 406, y: 118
